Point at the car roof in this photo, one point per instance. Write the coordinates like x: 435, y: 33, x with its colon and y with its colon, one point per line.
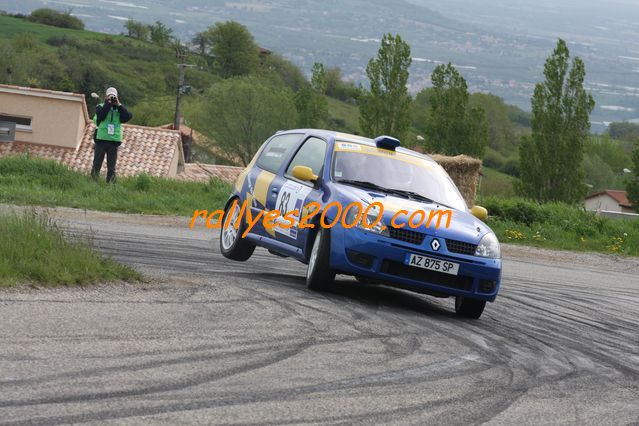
x: 347, y: 137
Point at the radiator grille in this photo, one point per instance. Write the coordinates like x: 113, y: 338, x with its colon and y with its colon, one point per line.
x: 460, y: 247
x: 407, y: 235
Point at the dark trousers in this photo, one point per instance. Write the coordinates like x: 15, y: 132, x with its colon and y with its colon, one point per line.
x: 110, y: 149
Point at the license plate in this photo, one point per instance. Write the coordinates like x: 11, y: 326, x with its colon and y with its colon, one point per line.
x: 431, y: 264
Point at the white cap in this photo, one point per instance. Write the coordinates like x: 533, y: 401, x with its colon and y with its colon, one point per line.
x: 112, y: 91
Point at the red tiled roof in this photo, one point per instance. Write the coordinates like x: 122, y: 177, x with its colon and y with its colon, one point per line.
x: 621, y: 197
x: 203, y: 172
x: 144, y: 150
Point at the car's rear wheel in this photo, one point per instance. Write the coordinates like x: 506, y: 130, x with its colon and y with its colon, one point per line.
x: 319, y: 275
x: 232, y: 245
x: 469, y: 308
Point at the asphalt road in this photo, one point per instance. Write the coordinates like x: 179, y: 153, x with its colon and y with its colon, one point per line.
x: 208, y: 340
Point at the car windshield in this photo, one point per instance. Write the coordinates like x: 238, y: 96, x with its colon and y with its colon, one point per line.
x: 400, y: 174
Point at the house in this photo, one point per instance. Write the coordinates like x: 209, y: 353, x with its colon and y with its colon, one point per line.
x: 609, y: 201
x: 57, y: 125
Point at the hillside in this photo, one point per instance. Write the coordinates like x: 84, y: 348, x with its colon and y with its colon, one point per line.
x: 146, y: 75
x: 85, y: 61
x: 500, y: 45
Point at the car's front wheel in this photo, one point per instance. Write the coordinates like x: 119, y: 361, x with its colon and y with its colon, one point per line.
x: 319, y: 275
x: 469, y: 308
x: 232, y: 245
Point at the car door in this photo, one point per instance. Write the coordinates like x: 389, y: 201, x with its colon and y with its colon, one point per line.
x: 262, y: 178
x: 290, y: 194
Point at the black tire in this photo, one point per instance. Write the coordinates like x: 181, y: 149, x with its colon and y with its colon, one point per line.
x: 469, y: 308
x: 239, y: 248
x: 319, y: 276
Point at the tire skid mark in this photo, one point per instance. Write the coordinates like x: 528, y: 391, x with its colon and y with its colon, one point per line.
x: 276, y: 358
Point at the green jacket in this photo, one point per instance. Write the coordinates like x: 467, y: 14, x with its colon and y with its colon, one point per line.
x: 110, y: 126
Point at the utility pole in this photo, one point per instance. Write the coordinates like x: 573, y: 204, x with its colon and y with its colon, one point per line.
x: 180, y: 89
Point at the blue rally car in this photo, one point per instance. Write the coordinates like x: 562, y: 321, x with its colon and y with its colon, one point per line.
x: 295, y: 168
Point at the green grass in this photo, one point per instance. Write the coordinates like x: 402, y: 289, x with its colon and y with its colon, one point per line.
x: 496, y: 184
x: 11, y: 27
x: 34, y: 250
x: 560, y: 226
x: 36, y: 181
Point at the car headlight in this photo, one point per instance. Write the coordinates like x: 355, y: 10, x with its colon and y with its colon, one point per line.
x: 489, y: 247
x: 371, y: 217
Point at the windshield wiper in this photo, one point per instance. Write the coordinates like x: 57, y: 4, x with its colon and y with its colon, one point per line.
x: 363, y: 184
x: 411, y: 194
x: 421, y: 197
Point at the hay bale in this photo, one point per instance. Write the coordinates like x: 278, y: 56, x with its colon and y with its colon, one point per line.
x: 464, y: 171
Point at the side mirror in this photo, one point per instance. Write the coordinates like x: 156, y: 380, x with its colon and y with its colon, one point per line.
x: 479, y: 212
x: 304, y: 173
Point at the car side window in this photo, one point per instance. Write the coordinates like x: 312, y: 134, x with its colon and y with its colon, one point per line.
x: 276, y: 151
x: 311, y: 154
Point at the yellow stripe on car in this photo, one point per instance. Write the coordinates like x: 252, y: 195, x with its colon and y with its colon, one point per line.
x: 262, y: 183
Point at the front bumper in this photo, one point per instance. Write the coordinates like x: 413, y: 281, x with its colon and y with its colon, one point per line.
x: 358, y: 252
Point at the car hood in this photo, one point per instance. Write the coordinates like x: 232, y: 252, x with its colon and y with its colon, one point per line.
x: 463, y: 225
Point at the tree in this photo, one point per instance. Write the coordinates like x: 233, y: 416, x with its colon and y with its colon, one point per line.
x: 201, y: 42
x: 632, y: 186
x: 551, y: 159
x: 624, y: 131
x: 453, y: 127
x: 282, y: 71
x: 337, y: 88
x: 137, y: 30
x: 310, y: 100
x: 504, y: 122
x: 234, y: 50
x: 318, y: 78
x: 160, y: 34
x: 241, y: 113
x: 384, y: 108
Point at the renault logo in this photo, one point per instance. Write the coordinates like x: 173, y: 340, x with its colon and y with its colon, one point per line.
x: 435, y: 245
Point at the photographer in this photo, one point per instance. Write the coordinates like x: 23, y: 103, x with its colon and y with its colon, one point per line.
x: 109, y: 117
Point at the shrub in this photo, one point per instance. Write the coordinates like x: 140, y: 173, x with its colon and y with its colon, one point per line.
x: 63, y: 40
x: 493, y: 159
x: 510, y: 167
x: 516, y: 210
x: 561, y: 226
x: 54, y: 18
